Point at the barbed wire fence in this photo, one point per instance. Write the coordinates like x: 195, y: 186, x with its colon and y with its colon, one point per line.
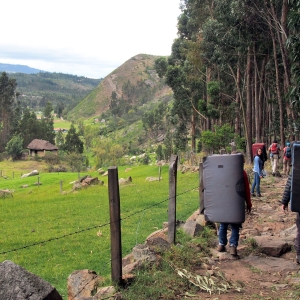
x: 128, y: 248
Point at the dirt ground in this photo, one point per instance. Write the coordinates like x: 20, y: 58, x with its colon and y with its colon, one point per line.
x: 266, y: 217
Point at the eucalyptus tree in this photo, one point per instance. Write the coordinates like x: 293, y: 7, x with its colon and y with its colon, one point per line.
x: 7, y: 99
x: 293, y: 44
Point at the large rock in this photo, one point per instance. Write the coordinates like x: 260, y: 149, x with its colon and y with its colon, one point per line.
x: 272, y: 246
x: 270, y: 264
x: 83, y: 284
x: 18, y: 284
x: 32, y: 173
x: 192, y: 228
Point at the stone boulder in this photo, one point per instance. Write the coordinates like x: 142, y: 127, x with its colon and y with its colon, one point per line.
x: 272, y: 245
x: 124, y: 181
x: 32, y: 173
x: 19, y: 284
x: 192, y: 228
x: 83, y: 284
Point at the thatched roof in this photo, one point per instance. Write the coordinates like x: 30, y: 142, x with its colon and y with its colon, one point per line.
x: 41, y: 145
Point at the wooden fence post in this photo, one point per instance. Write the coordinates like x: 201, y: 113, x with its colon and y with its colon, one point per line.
x: 159, y: 173
x: 61, y: 187
x: 172, y: 199
x: 115, y: 225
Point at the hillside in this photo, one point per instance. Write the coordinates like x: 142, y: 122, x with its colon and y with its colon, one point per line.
x: 135, y: 81
x: 37, y: 89
x: 8, y: 68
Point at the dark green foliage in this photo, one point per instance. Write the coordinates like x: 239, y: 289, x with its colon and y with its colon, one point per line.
x: 7, y: 101
x: 73, y: 144
x: 62, y: 90
x: 33, y: 128
x: 59, y: 139
x: 14, y: 147
x: 159, y: 152
x: 161, y: 66
x: 293, y: 44
x: 220, y: 137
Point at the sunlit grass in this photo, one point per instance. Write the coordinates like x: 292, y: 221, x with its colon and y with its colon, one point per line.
x: 52, y: 234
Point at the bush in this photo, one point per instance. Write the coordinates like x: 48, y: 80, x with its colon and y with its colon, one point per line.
x: 3, y: 156
x: 51, y: 158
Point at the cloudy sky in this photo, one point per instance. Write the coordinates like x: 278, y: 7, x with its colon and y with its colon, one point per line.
x: 88, y: 37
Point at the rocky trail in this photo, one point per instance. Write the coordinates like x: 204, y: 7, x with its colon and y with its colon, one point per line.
x: 266, y: 263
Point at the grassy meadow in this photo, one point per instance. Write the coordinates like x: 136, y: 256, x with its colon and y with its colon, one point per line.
x: 51, y: 234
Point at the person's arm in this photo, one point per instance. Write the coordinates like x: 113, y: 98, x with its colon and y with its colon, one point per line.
x: 286, y: 194
x: 247, y: 192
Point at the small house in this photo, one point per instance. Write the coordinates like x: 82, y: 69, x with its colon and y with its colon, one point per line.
x: 40, y: 147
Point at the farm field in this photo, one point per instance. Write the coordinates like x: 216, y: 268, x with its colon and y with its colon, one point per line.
x: 52, y: 234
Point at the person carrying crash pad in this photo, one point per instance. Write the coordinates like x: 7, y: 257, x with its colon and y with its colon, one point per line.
x: 235, y: 228
x: 287, y: 158
x: 285, y: 201
x: 274, y: 151
x: 225, y: 191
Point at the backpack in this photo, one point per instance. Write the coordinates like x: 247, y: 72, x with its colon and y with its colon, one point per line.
x: 274, y: 149
x: 288, y: 153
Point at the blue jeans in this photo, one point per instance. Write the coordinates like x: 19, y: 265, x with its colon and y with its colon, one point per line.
x: 256, y: 183
x: 235, y: 234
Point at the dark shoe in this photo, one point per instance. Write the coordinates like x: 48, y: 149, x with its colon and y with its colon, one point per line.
x: 298, y: 259
x: 233, y: 250
x: 259, y: 195
x: 221, y: 248
x: 273, y: 174
x: 253, y: 195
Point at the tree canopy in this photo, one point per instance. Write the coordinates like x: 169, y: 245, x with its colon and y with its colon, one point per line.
x: 231, y: 65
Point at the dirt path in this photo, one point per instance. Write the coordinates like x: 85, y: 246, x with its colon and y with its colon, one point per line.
x: 263, y: 276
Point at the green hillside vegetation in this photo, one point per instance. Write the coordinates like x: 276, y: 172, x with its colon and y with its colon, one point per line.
x: 60, y: 89
x: 125, y: 90
x: 52, y: 234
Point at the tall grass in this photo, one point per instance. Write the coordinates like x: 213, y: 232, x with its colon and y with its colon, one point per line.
x: 53, y: 234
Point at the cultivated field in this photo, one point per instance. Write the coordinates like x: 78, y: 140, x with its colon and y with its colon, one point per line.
x: 51, y: 234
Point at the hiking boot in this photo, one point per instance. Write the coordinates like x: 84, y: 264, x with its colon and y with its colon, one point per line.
x: 298, y: 259
x: 221, y: 248
x: 233, y: 250
x: 259, y: 195
x: 253, y: 195
x: 273, y: 174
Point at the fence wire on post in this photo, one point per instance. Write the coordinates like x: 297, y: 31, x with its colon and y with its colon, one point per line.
x: 115, y: 225
x: 172, y: 199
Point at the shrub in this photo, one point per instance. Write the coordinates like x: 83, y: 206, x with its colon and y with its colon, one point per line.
x: 51, y: 158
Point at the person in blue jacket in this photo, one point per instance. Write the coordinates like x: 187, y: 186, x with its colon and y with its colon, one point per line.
x: 257, y: 169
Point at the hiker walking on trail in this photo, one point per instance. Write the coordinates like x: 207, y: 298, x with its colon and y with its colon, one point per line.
x: 235, y: 228
x: 257, y: 169
x: 285, y: 201
x: 287, y: 158
x: 274, y: 150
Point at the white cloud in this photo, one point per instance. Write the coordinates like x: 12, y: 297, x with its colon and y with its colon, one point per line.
x: 86, y: 38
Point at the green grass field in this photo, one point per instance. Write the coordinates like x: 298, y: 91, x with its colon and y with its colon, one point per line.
x: 53, y: 234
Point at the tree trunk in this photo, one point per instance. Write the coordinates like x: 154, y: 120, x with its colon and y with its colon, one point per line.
x: 237, y: 124
x: 249, y: 107
x: 278, y: 89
